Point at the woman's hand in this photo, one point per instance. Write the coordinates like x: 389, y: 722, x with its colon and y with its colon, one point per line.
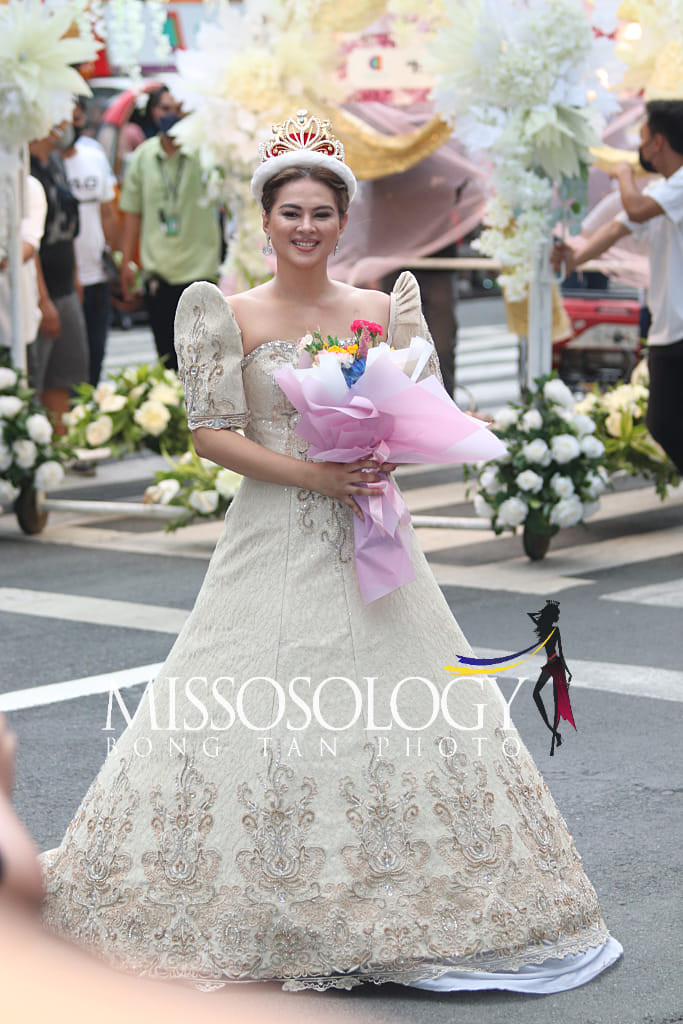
x: 49, y: 323
x: 345, y: 480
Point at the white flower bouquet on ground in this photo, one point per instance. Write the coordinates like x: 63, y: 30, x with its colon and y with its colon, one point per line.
x: 197, y: 487
x: 30, y: 458
x: 141, y: 407
x: 619, y: 415
x: 554, y: 470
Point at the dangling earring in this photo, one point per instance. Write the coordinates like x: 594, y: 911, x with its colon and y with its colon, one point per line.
x: 267, y: 249
x: 336, y: 248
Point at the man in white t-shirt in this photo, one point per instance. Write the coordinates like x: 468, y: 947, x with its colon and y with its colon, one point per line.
x: 92, y: 183
x: 655, y: 215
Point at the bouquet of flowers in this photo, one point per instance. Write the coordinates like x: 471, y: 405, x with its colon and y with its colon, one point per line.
x: 200, y: 489
x: 619, y: 415
x: 357, y: 399
x: 29, y: 458
x: 554, y: 468
x: 141, y: 407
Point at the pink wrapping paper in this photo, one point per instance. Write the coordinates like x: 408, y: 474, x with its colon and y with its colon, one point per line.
x: 396, y: 419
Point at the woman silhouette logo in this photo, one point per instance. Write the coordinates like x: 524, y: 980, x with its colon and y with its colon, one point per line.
x: 548, y: 633
x: 545, y: 623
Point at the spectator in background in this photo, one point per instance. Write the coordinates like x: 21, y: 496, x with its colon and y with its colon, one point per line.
x: 657, y: 215
x: 58, y: 361
x: 92, y: 183
x: 159, y: 104
x: 166, y: 213
x: 32, y: 228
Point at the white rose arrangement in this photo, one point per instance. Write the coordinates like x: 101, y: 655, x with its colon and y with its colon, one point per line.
x: 619, y: 418
x: 30, y: 457
x: 141, y: 407
x: 554, y: 469
x: 200, y: 489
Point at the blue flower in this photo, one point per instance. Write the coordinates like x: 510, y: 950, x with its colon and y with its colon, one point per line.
x: 354, y: 372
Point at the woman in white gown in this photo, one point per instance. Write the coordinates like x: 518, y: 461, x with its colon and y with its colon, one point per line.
x: 301, y: 794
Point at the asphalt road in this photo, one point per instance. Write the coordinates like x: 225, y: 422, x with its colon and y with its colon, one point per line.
x: 617, y: 780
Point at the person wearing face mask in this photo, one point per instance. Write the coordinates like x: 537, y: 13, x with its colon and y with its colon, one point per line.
x: 166, y: 213
x: 58, y: 360
x: 92, y: 183
x: 655, y: 215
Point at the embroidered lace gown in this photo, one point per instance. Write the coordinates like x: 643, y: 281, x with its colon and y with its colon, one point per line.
x: 243, y: 830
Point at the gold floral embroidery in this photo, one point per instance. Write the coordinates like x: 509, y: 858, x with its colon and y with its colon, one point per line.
x: 279, y: 862
x: 332, y: 520
x: 386, y: 856
x: 264, y: 910
x: 465, y: 806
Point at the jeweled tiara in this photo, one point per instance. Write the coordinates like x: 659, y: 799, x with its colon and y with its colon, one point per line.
x: 302, y: 141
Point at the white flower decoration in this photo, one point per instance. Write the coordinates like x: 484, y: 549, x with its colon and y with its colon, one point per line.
x: 505, y: 418
x: 557, y: 391
x: 482, y: 507
x: 48, y: 476
x: 5, y: 457
x: 567, y: 512
x: 25, y: 453
x: 8, y: 378
x: 165, y: 394
x: 35, y: 57
x: 563, y: 486
x: 527, y: 480
x: 10, y: 406
x: 564, y: 448
x: 536, y: 451
x: 99, y: 431
x: 532, y: 420
x: 152, y: 417
x: 166, y: 490
x: 583, y: 424
x: 489, y: 480
x: 113, y: 403
x: 204, y: 502
x: 103, y: 391
x: 587, y: 403
x: 8, y: 492
x: 512, y: 512
x: 39, y: 428
x: 592, y: 446
x: 76, y: 414
x: 227, y: 482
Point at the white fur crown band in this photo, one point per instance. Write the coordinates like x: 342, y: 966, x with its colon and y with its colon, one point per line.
x: 301, y: 141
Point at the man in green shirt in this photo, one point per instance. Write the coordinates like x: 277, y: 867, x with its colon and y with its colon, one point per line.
x: 178, y: 233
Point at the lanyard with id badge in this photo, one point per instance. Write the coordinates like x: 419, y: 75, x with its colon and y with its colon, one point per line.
x: 170, y: 224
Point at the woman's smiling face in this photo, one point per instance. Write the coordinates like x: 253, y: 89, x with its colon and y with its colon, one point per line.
x: 304, y: 224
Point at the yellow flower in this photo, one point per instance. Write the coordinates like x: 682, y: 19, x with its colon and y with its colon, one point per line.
x: 153, y: 417
x: 99, y: 431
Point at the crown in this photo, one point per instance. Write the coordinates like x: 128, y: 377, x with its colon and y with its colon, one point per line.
x: 301, y: 141
x: 304, y: 131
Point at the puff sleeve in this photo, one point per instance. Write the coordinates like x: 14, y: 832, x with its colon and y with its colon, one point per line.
x: 208, y: 342
x: 406, y: 321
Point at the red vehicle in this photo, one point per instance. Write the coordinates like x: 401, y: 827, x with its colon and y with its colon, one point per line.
x: 605, y: 344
